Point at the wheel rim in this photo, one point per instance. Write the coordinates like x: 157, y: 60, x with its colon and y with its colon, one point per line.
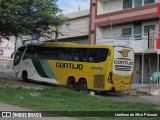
x: 71, y: 84
x: 82, y: 85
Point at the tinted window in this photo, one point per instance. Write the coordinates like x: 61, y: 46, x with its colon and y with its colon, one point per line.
x: 148, y: 27
x: 127, y: 4
x: 18, y: 55
x: 138, y: 3
x: 127, y: 32
x: 67, y: 54
x: 30, y: 52
x: 138, y: 31
x: 148, y: 1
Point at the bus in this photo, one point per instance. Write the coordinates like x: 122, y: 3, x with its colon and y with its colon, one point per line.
x: 82, y: 67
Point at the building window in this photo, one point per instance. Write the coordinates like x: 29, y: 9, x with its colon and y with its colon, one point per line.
x: 138, y: 31
x: 148, y: 1
x: 138, y: 3
x: 148, y: 27
x: 127, y: 4
x: 127, y: 32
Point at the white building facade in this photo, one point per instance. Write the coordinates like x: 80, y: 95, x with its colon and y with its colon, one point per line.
x: 126, y: 23
x: 76, y: 29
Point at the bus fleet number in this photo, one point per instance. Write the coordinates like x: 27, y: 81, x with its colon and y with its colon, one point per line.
x: 97, y: 68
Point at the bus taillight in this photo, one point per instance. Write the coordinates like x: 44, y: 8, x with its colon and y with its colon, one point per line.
x: 110, y: 78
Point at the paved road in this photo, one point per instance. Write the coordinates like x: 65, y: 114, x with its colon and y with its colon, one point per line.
x: 127, y: 98
x: 7, y: 74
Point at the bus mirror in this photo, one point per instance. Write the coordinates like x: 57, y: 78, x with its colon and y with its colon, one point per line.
x: 13, y: 54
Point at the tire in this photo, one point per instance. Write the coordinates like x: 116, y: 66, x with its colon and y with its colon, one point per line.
x: 71, y: 84
x: 82, y: 85
x: 25, y: 76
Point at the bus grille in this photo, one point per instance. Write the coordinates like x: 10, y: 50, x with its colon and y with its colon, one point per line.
x: 122, y: 68
x: 99, y: 81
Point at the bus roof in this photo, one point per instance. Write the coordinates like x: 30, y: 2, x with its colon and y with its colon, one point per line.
x: 69, y: 44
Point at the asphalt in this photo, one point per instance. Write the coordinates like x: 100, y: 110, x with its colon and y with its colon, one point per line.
x: 129, y: 98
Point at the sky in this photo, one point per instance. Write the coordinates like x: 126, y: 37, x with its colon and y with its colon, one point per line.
x: 69, y: 6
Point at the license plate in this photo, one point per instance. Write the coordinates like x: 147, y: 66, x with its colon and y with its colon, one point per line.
x: 121, y: 87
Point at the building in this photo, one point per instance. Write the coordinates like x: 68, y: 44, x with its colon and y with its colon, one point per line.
x: 126, y: 23
x: 76, y: 29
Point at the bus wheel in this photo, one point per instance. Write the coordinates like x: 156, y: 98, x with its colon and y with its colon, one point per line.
x: 25, y: 76
x: 71, y: 84
x: 82, y: 85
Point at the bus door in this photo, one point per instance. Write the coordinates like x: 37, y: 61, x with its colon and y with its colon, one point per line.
x: 17, y: 60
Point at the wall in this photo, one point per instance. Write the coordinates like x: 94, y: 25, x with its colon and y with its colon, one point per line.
x: 77, y: 25
x: 107, y: 6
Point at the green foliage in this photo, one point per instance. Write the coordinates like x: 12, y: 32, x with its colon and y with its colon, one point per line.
x: 28, y: 16
x: 62, y: 99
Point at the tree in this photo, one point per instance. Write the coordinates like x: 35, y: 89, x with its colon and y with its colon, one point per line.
x: 59, y: 20
x: 27, y: 17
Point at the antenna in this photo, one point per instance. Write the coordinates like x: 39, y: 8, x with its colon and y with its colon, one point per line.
x: 79, y: 7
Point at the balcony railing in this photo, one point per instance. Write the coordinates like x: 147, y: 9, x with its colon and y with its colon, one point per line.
x: 138, y: 45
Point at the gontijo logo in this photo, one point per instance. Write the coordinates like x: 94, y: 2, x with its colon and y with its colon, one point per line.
x: 124, y: 52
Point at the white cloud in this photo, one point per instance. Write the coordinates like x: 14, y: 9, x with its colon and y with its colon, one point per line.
x: 69, y: 6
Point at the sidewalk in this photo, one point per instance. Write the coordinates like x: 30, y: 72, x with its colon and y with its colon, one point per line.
x: 145, y: 89
x: 7, y: 73
x: 6, y: 63
x: 6, y: 70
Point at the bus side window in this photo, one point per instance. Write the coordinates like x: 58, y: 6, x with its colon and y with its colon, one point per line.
x: 92, y: 56
x: 52, y: 54
x: 62, y: 55
x: 83, y: 55
x: 86, y: 55
x: 71, y: 52
x: 30, y: 53
x: 76, y: 58
x: 77, y: 55
x: 101, y: 55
